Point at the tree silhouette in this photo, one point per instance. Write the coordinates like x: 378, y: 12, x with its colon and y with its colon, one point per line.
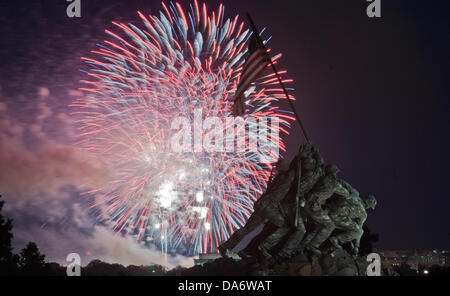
x: 8, y: 261
x: 31, y: 261
x: 98, y: 267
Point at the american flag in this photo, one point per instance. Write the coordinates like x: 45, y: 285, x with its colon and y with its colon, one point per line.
x: 256, y: 62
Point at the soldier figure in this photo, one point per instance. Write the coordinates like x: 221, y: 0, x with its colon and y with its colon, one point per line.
x: 267, y: 206
x: 327, y: 186
x: 353, y: 192
x: 311, y: 171
x: 304, y: 191
x: 349, y: 215
x: 309, y: 166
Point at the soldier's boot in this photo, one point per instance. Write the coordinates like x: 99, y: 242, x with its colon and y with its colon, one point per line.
x: 313, y: 250
x: 293, y: 244
x: 223, y: 250
x: 335, y: 242
x: 323, y: 233
x: 270, y: 241
x: 349, y: 236
x: 263, y: 253
x: 306, y: 240
x: 274, y: 238
x: 280, y: 257
x: 244, y: 254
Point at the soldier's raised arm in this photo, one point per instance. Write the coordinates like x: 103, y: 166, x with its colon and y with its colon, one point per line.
x: 341, y: 190
x: 279, y: 187
x: 352, y: 190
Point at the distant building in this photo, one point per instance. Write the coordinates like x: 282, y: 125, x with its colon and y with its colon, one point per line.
x: 392, y: 257
x: 417, y: 259
x: 209, y: 257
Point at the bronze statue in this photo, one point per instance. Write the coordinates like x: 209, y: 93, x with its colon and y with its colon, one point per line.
x: 289, y: 226
x: 304, y: 206
x: 325, y: 188
x: 349, y: 216
x: 310, y: 168
x: 266, y: 207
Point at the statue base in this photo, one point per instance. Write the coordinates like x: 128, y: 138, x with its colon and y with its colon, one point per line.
x: 336, y: 263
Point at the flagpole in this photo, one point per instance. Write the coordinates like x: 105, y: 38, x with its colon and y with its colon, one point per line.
x: 259, y: 40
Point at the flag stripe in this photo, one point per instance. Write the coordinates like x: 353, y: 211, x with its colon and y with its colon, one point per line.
x: 251, y: 69
x: 254, y: 58
x: 254, y: 66
x: 245, y: 85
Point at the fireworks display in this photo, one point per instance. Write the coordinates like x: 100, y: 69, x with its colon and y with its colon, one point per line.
x: 143, y: 79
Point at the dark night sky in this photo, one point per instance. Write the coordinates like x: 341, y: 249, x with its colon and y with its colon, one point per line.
x: 373, y: 93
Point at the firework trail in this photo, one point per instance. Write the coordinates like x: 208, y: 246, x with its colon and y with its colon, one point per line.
x: 138, y: 84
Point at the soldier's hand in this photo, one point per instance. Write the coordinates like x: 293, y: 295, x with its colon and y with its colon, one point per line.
x: 302, y: 203
x: 315, y: 206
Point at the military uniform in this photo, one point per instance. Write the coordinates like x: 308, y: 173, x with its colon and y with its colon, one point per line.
x: 308, y: 174
x: 348, y: 215
x: 327, y: 186
x: 266, y: 207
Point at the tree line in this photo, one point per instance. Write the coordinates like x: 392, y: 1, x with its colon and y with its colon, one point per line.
x: 30, y: 261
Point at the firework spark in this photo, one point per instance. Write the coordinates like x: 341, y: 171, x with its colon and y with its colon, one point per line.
x: 139, y: 83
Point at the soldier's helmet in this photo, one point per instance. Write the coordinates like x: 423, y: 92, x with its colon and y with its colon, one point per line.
x: 308, y: 163
x: 319, y: 159
x: 305, y: 149
x: 282, y: 165
x: 370, y: 201
x: 332, y: 169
